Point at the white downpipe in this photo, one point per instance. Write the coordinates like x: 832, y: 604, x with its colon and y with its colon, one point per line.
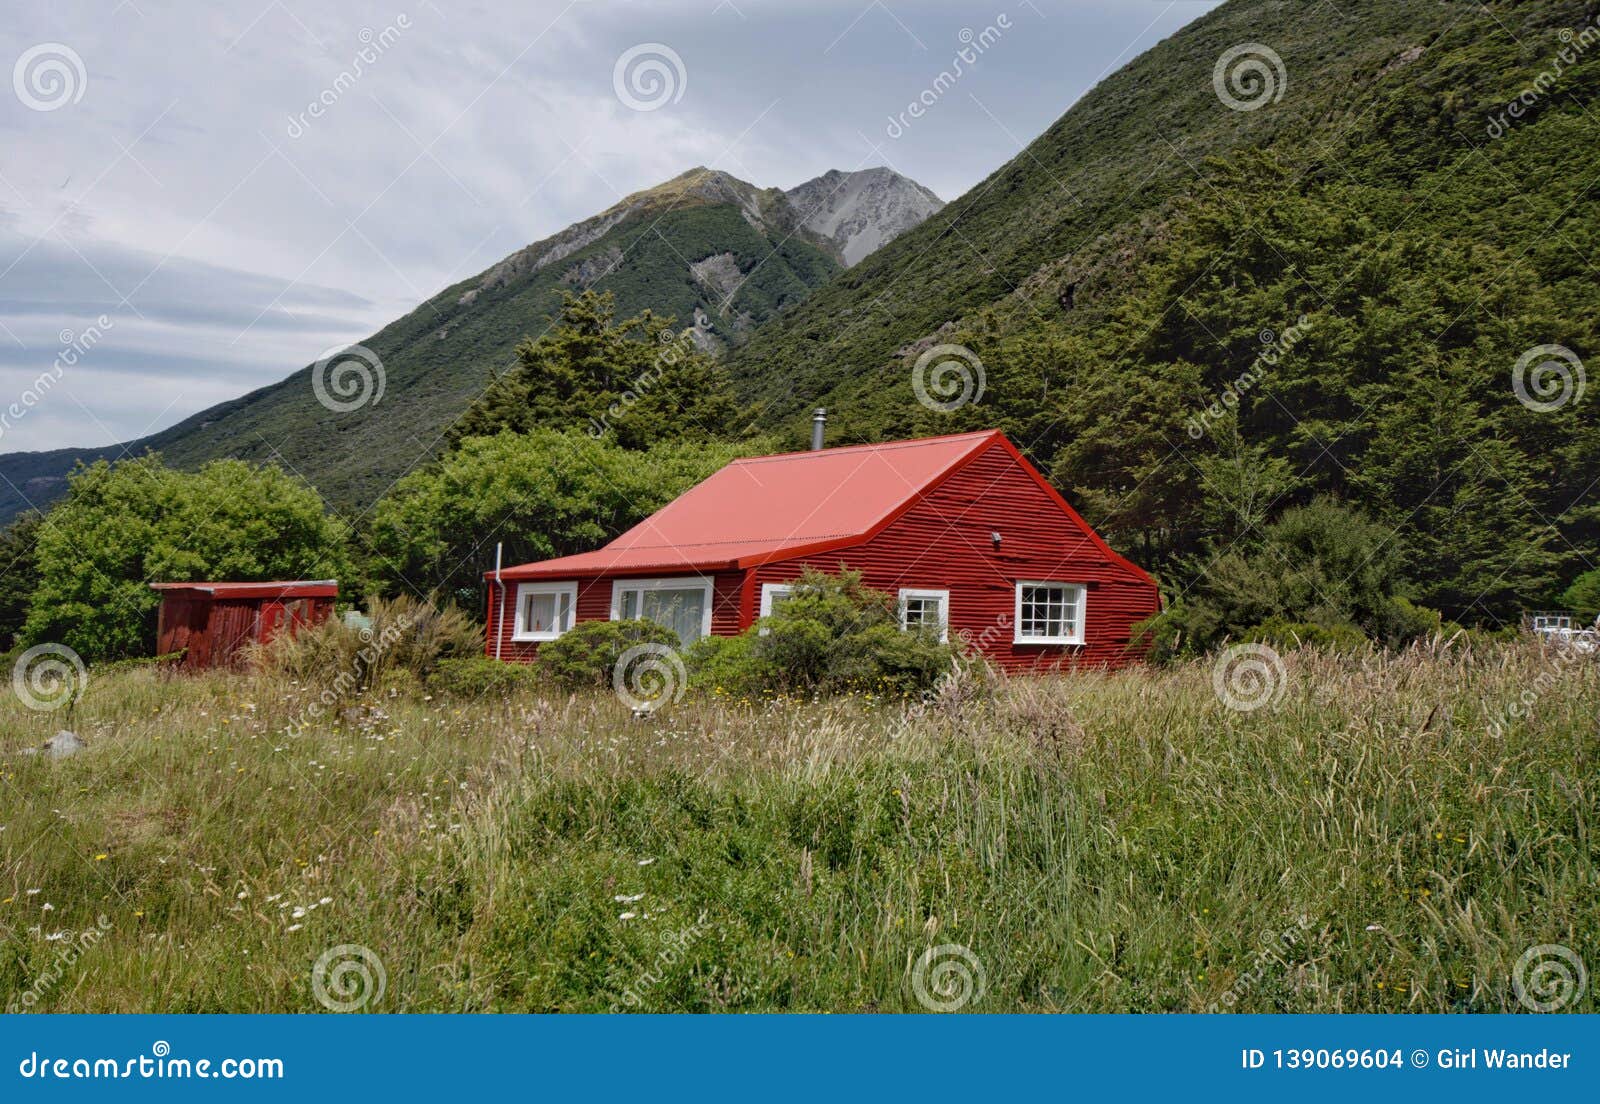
x: 500, y: 607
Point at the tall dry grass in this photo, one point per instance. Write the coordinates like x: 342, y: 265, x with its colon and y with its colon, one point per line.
x: 1098, y: 843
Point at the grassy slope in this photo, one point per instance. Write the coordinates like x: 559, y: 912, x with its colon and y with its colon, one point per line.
x: 1103, y: 843
x: 353, y: 457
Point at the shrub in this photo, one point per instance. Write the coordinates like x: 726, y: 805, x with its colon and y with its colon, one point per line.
x: 406, y: 634
x: 586, y: 655
x: 479, y: 677
x: 1401, y: 621
x: 1284, y: 634
x: 1583, y: 596
x: 832, y: 634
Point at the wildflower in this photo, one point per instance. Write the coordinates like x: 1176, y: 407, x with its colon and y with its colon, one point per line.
x: 326, y: 901
x: 646, y: 862
x: 623, y: 899
x: 626, y: 915
x: 243, y: 893
x: 102, y: 857
x: 47, y: 907
x: 294, y: 927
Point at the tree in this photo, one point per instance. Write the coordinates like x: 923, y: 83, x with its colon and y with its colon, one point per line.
x: 123, y: 526
x: 1583, y: 596
x: 544, y: 494
x: 19, y: 567
x: 637, y: 381
x: 1324, y: 566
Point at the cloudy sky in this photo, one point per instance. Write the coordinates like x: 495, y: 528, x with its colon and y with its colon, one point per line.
x: 162, y: 166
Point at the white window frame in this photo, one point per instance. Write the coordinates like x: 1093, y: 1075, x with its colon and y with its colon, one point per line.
x: 1081, y: 620
x: 943, y: 597
x: 519, y: 627
x: 770, y: 592
x: 681, y: 582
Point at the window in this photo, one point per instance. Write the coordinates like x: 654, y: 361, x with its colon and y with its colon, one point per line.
x: 1050, y: 613
x: 929, y: 608
x: 682, y: 605
x: 774, y: 595
x: 544, y: 610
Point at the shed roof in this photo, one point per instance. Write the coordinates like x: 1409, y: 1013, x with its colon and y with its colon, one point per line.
x: 774, y: 507
x: 291, y: 588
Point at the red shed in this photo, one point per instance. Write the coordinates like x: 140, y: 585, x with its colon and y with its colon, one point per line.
x: 211, y: 622
x: 963, y: 529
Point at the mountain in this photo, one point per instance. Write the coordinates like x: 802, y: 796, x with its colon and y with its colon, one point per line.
x: 704, y: 247
x: 1293, y: 250
x: 856, y: 212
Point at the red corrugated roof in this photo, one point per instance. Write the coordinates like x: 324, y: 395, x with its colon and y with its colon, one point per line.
x: 293, y: 588
x: 774, y: 507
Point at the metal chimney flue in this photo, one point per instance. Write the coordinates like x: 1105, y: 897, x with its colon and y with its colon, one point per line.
x: 819, y: 424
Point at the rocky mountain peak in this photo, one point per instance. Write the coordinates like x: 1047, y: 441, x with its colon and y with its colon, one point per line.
x: 860, y: 211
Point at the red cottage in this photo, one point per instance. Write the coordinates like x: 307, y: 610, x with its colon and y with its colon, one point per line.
x: 212, y: 622
x: 967, y: 533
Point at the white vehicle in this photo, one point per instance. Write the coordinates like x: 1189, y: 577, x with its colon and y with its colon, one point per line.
x: 1561, y: 630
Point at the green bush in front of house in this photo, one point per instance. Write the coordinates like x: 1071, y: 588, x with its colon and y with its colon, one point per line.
x: 586, y: 655
x: 832, y: 634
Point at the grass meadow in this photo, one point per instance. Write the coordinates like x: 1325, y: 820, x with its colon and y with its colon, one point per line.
x: 1393, y: 834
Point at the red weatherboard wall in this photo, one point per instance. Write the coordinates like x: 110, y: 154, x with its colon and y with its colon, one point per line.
x: 594, y: 604
x: 943, y: 543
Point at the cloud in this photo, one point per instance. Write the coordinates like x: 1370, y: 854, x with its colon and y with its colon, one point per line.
x: 233, y: 234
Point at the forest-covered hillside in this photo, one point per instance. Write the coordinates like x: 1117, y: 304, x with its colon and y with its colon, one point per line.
x: 1194, y: 316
